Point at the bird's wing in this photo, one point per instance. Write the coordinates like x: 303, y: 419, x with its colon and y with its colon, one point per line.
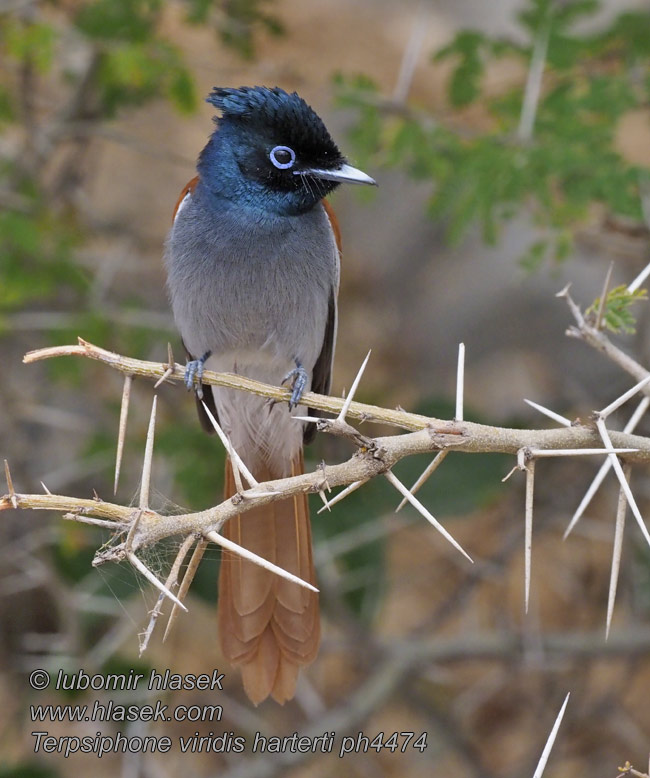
x: 185, y: 193
x: 208, y: 397
x: 322, y: 372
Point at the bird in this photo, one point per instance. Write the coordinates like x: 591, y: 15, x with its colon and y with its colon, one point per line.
x: 253, y: 267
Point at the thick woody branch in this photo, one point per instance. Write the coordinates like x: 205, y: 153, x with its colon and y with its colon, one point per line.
x: 385, y: 453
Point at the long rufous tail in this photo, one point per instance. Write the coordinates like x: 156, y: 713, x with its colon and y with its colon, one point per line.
x: 269, y: 626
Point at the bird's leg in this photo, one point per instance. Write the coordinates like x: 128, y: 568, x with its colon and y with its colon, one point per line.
x: 298, y: 377
x: 194, y: 368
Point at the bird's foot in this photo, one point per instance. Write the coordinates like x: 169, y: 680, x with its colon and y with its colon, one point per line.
x: 298, y: 378
x: 194, y: 369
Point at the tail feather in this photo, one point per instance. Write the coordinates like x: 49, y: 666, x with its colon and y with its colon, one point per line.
x: 269, y: 626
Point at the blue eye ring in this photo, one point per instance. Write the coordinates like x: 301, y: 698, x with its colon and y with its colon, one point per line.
x: 282, y: 165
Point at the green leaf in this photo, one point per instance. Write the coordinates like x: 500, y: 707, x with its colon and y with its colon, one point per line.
x: 30, y: 42
x: 468, y: 48
x: 617, y: 315
x: 131, y: 21
x: 534, y: 256
x: 133, y: 73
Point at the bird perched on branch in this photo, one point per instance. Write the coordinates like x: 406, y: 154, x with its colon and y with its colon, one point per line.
x: 253, y: 274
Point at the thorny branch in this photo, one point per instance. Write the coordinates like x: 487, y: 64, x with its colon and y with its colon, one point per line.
x: 374, y: 456
x: 137, y: 529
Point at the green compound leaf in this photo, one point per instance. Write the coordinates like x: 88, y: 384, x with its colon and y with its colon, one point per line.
x: 617, y: 315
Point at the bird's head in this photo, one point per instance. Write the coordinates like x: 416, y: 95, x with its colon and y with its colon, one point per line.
x: 271, y: 151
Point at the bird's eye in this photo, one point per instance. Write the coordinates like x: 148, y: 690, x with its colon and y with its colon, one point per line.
x: 282, y: 157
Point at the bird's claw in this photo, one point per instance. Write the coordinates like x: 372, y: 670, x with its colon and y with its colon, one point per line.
x: 194, y: 370
x: 298, y: 377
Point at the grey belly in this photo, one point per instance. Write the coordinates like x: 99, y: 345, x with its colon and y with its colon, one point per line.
x: 257, y: 299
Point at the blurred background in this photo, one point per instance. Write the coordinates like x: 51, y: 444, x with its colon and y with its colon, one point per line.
x: 497, y: 188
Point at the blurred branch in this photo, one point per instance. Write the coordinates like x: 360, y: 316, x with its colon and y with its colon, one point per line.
x: 403, y: 659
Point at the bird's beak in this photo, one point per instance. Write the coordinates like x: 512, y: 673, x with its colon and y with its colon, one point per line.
x: 343, y: 174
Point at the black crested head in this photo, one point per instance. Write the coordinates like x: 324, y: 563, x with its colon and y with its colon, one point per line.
x: 279, y: 145
x: 279, y: 117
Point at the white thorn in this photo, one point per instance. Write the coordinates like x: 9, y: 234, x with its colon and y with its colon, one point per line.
x: 641, y: 408
x: 313, y: 419
x: 10, y: 485
x: 574, y: 452
x: 45, y: 489
x: 133, y: 559
x: 172, y: 580
x: 392, y: 478
x: 258, y: 560
x: 89, y: 520
x: 148, y: 458
x: 188, y: 577
x: 460, y: 382
x: 604, y: 434
x: 593, y: 488
x: 230, y: 448
x: 617, y: 551
x: 541, y: 765
x: 623, y: 398
x: 431, y: 468
x: 551, y: 414
x: 121, y: 434
x: 163, y: 377
x: 639, y: 279
x: 528, y: 529
x: 343, y: 494
x: 603, y: 297
x: 353, y: 389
